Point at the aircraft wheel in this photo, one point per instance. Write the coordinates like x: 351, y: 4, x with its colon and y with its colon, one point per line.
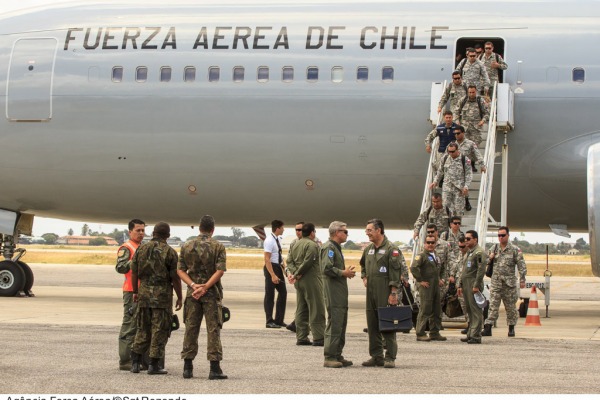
x: 12, y: 278
x: 28, y: 277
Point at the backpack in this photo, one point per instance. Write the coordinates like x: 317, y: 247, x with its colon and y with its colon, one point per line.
x: 479, y: 104
x: 462, y: 158
x: 431, y: 207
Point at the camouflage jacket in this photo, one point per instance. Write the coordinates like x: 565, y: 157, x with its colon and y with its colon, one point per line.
x: 200, y: 258
x: 454, y: 252
x: 469, y: 149
x: 507, y: 259
x: 473, y: 111
x: 442, y: 250
x: 474, y: 74
x: 439, y: 217
x: 493, y: 72
x: 453, y: 93
x: 453, y: 172
x: 155, y: 264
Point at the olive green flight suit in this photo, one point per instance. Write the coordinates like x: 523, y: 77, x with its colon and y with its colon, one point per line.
x: 382, y: 267
x: 335, y: 290
x: 310, y: 306
x: 427, y: 268
x: 472, y: 277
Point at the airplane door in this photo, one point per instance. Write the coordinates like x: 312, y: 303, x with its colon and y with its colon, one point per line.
x: 29, y: 92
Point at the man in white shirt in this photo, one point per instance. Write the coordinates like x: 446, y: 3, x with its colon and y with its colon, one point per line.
x: 274, y: 277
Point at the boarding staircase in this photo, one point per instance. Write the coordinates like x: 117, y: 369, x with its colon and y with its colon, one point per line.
x: 480, y: 191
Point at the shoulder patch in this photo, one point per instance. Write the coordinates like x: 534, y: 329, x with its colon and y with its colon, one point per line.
x: 121, y: 252
x: 417, y: 258
x: 330, y: 254
x: 395, y: 253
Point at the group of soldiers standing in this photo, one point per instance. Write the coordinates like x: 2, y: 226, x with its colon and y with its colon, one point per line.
x: 153, y: 271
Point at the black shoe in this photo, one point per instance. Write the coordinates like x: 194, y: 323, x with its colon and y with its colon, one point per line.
x: 487, y: 330
x: 272, y: 325
x: 154, y: 369
x: 366, y: 330
x: 511, y: 331
x: 465, y: 339
x: 464, y: 331
x: 135, y: 362
x: 474, y: 341
x: 291, y: 327
x: 303, y: 342
x: 319, y: 343
x: 215, y: 371
x: 188, y: 369
x: 468, y: 204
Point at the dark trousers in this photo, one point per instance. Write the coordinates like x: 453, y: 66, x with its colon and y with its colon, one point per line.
x: 270, y: 288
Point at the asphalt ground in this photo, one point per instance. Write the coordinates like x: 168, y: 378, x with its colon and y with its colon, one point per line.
x: 65, y: 341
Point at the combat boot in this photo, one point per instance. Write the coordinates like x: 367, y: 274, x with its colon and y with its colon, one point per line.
x: 373, y: 362
x: 487, y: 330
x: 154, y: 369
x: 511, y: 331
x: 389, y: 364
x: 135, y: 362
x: 333, y: 364
x: 188, y: 367
x: 345, y: 363
x: 215, y: 371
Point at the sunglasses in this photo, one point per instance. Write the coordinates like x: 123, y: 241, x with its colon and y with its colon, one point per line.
x: 343, y: 230
x: 451, y: 152
x: 298, y: 230
x: 501, y: 234
x: 430, y: 242
x: 430, y: 232
x: 456, y: 223
x: 467, y: 239
x: 488, y: 48
x: 462, y: 247
x: 457, y: 79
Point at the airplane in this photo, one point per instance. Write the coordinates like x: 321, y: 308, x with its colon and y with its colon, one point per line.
x: 252, y: 111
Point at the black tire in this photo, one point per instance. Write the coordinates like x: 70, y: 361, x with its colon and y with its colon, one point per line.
x: 28, y: 276
x: 12, y: 278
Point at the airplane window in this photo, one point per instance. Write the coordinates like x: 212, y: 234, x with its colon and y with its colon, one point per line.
x: 165, y: 74
x: 362, y: 74
x: 337, y: 74
x: 312, y: 74
x: 214, y: 73
x: 287, y: 74
x: 263, y: 74
x: 238, y: 74
x: 141, y: 74
x: 117, y: 74
x: 189, y: 74
x: 387, y: 74
x: 578, y: 75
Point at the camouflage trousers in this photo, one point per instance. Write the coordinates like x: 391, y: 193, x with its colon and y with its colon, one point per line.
x: 127, y: 332
x: 505, y: 289
x: 453, y: 198
x: 193, y: 312
x: 473, y: 132
x: 153, y: 331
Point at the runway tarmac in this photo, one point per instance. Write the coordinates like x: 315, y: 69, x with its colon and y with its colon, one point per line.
x: 65, y: 341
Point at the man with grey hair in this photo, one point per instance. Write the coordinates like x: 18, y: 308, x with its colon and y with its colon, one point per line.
x: 335, y: 290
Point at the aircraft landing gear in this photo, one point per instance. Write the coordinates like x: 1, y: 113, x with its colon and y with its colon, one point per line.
x: 16, y: 277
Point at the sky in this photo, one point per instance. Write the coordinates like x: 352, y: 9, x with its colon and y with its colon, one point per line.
x: 61, y: 227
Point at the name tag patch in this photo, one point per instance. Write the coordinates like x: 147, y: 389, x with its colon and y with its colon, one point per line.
x: 382, y: 251
x: 371, y: 252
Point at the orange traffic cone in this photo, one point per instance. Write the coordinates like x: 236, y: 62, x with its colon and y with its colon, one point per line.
x: 533, y: 312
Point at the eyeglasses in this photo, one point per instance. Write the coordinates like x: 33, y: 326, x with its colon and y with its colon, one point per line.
x: 468, y: 238
x: 458, y: 132
x: 473, y: 56
x: 488, y: 48
x: 430, y: 232
x: 456, y: 79
x: 501, y: 234
x: 343, y: 230
x: 462, y: 247
x: 456, y: 223
x: 429, y: 242
x: 298, y: 230
x: 451, y: 152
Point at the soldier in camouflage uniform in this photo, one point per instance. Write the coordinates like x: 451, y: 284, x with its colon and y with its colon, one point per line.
x: 473, y: 114
x: 202, y: 263
x: 445, y: 134
x: 382, y: 266
x: 474, y: 72
x: 128, y: 328
x: 454, y: 255
x: 457, y: 173
x: 454, y: 92
x: 335, y: 291
x: 493, y: 62
x: 306, y: 276
x: 155, y: 264
x: 428, y: 272
x: 469, y: 148
x: 471, y: 282
x: 436, y: 214
x: 504, y: 282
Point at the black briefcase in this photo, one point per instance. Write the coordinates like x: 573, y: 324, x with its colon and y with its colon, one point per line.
x: 395, y: 319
